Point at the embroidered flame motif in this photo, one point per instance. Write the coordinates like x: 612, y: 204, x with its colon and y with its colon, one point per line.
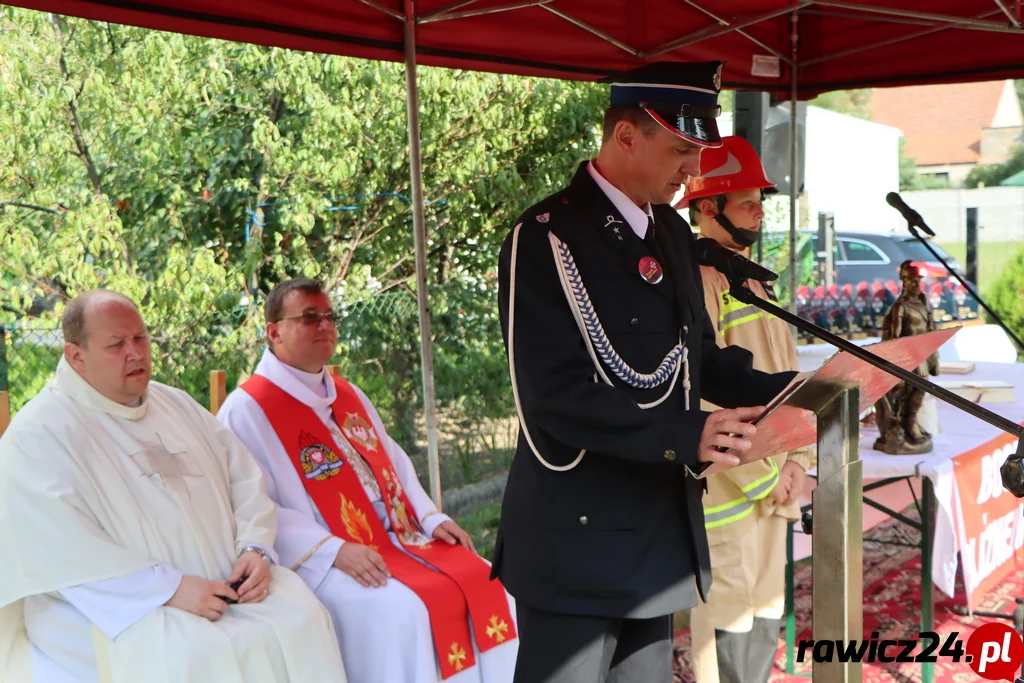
x: 497, y: 629
x: 405, y: 526
x: 355, y: 522
x: 455, y: 656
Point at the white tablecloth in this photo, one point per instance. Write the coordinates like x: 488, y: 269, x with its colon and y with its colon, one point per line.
x: 984, y: 343
x: 959, y: 432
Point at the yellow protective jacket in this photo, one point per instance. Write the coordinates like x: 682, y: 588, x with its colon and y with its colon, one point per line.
x: 733, y: 496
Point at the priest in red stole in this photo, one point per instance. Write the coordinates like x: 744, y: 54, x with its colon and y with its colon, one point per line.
x: 410, y: 598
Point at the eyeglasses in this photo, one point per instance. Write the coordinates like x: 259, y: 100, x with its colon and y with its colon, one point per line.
x: 311, y: 318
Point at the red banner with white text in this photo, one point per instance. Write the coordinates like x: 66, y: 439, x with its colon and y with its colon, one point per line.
x: 990, y: 520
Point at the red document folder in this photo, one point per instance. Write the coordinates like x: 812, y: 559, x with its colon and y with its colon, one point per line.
x: 785, y: 425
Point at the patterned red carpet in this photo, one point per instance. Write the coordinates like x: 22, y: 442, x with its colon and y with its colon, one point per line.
x: 892, y: 582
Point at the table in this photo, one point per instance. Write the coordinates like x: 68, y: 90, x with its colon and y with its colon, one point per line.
x: 959, y: 433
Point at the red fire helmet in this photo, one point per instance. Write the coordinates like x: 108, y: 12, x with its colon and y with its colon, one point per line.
x: 733, y: 167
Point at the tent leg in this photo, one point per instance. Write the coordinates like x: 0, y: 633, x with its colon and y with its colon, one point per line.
x: 793, y: 151
x: 426, y: 341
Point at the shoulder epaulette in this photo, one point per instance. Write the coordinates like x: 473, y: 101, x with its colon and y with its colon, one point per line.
x: 542, y: 213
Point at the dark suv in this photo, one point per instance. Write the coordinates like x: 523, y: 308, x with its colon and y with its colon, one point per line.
x: 866, y: 282
x: 870, y: 257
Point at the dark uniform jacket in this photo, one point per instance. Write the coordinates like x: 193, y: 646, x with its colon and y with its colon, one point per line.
x: 624, y: 528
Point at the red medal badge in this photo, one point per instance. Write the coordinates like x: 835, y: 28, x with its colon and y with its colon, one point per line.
x: 650, y: 270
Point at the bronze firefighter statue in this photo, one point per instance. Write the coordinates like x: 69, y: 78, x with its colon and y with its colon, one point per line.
x: 896, y: 413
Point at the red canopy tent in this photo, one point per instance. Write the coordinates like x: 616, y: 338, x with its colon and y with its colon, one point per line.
x: 793, y: 48
x: 835, y: 44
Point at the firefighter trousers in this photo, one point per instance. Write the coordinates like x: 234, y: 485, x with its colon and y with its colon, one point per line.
x: 735, y: 634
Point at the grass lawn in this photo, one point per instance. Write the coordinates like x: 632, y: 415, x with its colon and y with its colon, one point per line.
x: 992, y: 258
x: 482, y: 526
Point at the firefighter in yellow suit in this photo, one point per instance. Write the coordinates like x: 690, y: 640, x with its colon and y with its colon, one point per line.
x: 746, y: 508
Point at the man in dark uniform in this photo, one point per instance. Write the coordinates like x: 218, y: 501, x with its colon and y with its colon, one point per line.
x: 610, y: 350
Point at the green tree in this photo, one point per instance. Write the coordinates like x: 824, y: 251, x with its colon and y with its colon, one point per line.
x: 993, y: 174
x: 853, y: 102
x: 1006, y: 295
x: 192, y: 174
x: 910, y: 179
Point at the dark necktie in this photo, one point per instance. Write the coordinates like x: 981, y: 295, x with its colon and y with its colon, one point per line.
x: 652, y: 243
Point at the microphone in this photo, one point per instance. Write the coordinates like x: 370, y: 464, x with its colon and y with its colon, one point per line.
x: 726, y: 261
x: 913, y: 217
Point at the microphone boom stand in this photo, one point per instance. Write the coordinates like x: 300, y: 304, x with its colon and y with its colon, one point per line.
x: 967, y: 286
x: 838, y: 496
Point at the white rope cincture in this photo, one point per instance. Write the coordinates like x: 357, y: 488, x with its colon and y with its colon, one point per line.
x: 512, y: 362
x: 593, y: 334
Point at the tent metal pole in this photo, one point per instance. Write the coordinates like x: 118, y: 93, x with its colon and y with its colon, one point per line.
x: 885, y: 43
x: 724, y: 28
x: 381, y: 8
x: 975, y: 23
x: 451, y: 14
x: 590, y: 29
x: 794, y: 20
x: 725, y: 22
x: 1009, y: 15
x: 419, y: 229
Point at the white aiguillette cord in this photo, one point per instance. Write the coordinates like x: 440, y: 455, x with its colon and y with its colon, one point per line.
x: 593, y: 333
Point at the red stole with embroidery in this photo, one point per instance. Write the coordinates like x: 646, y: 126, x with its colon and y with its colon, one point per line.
x: 460, y: 594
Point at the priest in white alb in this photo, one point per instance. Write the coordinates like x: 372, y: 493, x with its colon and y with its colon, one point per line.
x: 136, y: 535
x: 410, y: 598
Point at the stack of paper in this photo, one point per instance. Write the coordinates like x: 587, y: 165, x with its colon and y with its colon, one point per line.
x: 980, y: 390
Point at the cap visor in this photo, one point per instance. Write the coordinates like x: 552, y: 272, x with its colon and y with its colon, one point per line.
x: 701, y: 132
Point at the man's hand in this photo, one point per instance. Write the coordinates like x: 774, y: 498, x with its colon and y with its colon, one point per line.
x: 451, y: 533
x: 719, y: 429
x: 362, y: 563
x: 201, y: 597
x: 780, y: 493
x: 796, y: 480
x: 256, y: 572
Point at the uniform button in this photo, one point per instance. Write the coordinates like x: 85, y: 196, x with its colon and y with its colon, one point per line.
x: 634, y: 322
x: 686, y: 330
x: 670, y: 455
x: 583, y: 519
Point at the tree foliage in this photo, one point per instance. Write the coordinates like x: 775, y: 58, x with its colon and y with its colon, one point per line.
x: 991, y: 175
x: 852, y: 102
x: 910, y: 179
x: 193, y: 174
x: 1006, y: 295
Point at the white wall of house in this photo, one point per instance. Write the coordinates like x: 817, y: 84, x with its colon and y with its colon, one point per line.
x: 1000, y: 212
x: 1008, y: 112
x: 851, y: 165
x: 955, y: 174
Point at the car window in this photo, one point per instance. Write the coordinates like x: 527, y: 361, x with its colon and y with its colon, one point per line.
x: 859, y: 251
x: 919, y: 252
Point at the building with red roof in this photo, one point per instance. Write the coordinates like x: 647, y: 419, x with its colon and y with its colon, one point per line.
x: 950, y: 129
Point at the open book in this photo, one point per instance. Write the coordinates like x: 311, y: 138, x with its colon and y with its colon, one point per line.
x: 789, y: 420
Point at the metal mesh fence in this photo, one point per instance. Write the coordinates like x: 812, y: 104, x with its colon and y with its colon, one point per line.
x: 372, y: 333
x: 30, y: 349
